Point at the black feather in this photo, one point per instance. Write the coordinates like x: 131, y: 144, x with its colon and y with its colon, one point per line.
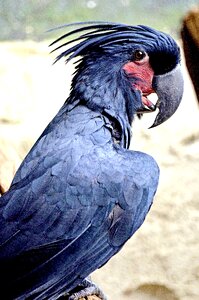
x: 104, y: 34
x: 80, y: 194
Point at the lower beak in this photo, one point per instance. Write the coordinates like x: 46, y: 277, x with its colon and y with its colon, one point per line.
x: 169, y: 89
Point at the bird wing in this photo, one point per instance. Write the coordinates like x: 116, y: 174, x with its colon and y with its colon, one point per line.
x: 129, y: 195
x: 69, y: 216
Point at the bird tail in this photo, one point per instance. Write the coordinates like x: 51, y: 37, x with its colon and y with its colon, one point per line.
x: 62, y: 272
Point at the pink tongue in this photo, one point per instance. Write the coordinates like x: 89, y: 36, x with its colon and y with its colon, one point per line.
x: 147, y: 102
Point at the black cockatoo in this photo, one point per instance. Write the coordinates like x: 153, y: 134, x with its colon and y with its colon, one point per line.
x: 80, y: 194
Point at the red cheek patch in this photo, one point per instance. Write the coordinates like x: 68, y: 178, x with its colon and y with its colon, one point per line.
x: 143, y: 75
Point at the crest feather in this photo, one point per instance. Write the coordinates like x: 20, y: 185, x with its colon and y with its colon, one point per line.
x: 93, y: 34
x: 102, y: 34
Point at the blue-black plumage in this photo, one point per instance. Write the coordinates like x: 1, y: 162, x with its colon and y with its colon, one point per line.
x: 80, y: 194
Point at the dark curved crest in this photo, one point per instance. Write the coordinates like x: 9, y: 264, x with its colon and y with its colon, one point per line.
x: 94, y: 34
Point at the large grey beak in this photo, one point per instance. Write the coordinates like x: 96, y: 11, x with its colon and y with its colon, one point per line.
x: 169, y: 89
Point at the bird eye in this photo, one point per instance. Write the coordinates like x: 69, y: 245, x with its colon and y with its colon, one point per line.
x: 139, y: 55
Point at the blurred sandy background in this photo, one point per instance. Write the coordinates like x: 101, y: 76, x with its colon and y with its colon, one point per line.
x: 161, y: 261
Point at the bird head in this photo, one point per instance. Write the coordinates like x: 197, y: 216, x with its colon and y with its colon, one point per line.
x: 121, y: 65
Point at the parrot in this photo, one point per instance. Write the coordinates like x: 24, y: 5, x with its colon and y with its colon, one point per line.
x: 80, y: 193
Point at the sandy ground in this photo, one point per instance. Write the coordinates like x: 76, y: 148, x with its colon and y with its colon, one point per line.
x: 161, y: 261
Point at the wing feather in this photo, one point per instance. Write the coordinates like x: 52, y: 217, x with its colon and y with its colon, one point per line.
x: 62, y: 224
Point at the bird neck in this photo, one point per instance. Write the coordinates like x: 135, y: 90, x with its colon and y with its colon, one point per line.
x: 107, y: 93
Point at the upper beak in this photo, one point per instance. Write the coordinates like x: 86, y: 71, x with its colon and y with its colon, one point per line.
x: 169, y: 89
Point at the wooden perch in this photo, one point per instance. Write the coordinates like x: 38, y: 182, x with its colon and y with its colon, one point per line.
x: 94, y: 297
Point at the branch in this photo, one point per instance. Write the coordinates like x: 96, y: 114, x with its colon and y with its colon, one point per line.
x: 190, y: 38
x: 2, y: 190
